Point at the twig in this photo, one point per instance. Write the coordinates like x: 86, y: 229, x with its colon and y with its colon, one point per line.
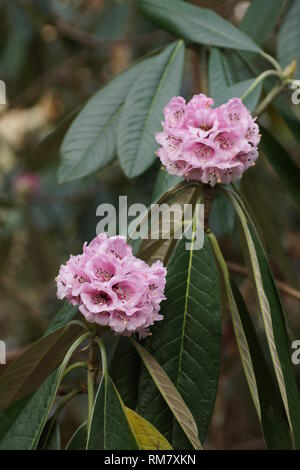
x: 92, y: 368
x: 93, y: 41
x: 51, y: 76
x: 269, y: 98
x: 208, y: 193
x: 285, y: 76
x: 284, y: 288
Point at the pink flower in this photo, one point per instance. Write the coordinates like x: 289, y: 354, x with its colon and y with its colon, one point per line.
x: 26, y: 183
x: 205, y: 144
x: 112, y: 287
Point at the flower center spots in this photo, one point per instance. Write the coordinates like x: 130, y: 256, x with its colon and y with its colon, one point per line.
x: 224, y: 142
x: 202, y: 152
x: 234, y: 116
x: 177, y: 165
x: 122, y: 316
x: 115, y: 254
x: 205, y: 127
x: 178, y: 113
x: 250, y: 131
x: 227, y: 172
x: 100, y: 299
x: 122, y: 292
x: 79, y: 278
x: 173, y: 142
x: 103, y: 275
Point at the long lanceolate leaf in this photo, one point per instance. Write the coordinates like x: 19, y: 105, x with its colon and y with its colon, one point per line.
x: 238, y: 90
x: 64, y: 315
x: 217, y: 76
x: 187, y: 344
x: 164, y: 237
x: 125, y: 370
x: 148, y: 437
x: 171, y: 396
x: 142, y: 113
x: 260, y: 18
x: 90, y: 142
x: 261, y: 384
x: 163, y: 183
x: 273, y: 318
x: 30, y: 369
x: 25, y: 431
x: 289, y: 37
x: 110, y: 428
x: 196, y: 24
x: 79, y: 438
x: 219, y: 88
x: 285, y: 167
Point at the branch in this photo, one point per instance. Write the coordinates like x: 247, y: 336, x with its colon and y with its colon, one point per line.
x: 284, y: 288
x: 93, y: 41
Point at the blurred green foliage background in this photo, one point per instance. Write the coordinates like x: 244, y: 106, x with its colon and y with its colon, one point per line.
x: 53, y: 56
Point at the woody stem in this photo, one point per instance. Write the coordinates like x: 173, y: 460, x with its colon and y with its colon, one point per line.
x: 91, y: 376
x: 208, y: 193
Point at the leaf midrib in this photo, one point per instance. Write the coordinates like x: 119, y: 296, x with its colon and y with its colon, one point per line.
x: 168, y: 65
x: 188, y: 282
x: 265, y: 310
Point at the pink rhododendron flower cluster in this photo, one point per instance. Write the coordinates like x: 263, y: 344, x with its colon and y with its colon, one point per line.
x: 211, y: 145
x: 112, y: 287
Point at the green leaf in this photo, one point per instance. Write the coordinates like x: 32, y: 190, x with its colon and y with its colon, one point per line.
x: 222, y: 216
x: 256, y: 187
x: 125, y: 370
x: 50, y: 438
x: 159, y: 245
x: 163, y: 183
x: 29, y: 371
x: 142, y: 113
x: 90, y: 143
x: 273, y: 317
x: 148, y: 437
x: 64, y: 315
x: 285, y: 167
x: 260, y: 381
x: 216, y: 73
x: 273, y: 420
x: 289, y: 37
x: 222, y: 89
x: 110, y: 428
x: 238, y: 90
x: 196, y: 24
x: 79, y: 438
x: 261, y: 18
x: 9, y: 415
x: 187, y: 344
x: 25, y: 432
x: 171, y: 395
